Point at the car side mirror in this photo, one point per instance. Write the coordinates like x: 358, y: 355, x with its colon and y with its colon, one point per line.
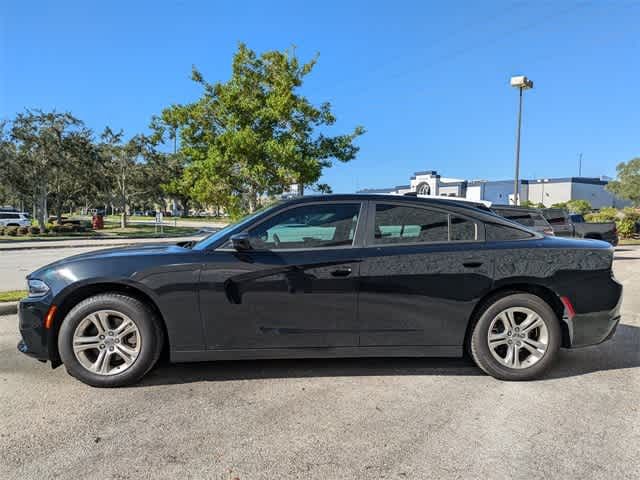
x: 240, y: 242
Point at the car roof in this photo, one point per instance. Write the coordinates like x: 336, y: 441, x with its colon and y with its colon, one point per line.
x: 516, y: 208
x: 427, y: 200
x: 469, y: 207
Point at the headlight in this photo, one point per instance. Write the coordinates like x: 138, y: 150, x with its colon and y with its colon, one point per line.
x: 37, y: 288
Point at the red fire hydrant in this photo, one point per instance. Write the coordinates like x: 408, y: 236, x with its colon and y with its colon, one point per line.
x: 97, y: 222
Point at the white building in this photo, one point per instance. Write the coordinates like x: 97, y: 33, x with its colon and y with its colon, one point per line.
x: 546, y: 191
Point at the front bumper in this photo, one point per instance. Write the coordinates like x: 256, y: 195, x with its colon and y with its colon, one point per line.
x: 35, y: 337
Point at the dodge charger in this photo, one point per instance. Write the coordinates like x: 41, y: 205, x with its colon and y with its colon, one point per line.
x: 330, y: 276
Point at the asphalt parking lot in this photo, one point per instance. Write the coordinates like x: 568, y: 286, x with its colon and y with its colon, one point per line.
x: 326, y: 419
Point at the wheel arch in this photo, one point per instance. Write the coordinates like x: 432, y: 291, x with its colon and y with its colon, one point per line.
x: 69, y: 300
x: 541, y: 291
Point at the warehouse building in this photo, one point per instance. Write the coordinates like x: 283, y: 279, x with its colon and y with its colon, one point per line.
x: 547, y: 191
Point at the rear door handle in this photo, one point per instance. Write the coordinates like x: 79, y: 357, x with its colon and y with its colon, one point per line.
x: 341, y: 272
x: 472, y: 264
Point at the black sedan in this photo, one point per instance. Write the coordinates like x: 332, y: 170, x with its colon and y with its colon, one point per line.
x: 331, y: 276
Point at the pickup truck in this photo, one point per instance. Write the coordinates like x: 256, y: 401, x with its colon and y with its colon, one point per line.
x: 529, y: 217
x: 567, y: 224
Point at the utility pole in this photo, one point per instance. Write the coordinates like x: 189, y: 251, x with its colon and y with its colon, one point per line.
x: 580, y: 164
x: 521, y: 83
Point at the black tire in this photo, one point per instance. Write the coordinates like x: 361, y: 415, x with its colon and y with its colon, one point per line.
x: 479, y: 345
x: 151, y: 339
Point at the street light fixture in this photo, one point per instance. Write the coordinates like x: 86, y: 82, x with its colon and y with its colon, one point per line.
x: 521, y: 83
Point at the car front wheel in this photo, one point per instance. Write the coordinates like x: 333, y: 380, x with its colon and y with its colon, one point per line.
x: 516, y: 337
x: 110, y: 340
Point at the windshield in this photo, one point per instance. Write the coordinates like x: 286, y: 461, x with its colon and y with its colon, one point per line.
x: 214, y: 237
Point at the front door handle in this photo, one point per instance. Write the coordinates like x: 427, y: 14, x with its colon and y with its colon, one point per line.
x: 472, y: 264
x: 341, y: 272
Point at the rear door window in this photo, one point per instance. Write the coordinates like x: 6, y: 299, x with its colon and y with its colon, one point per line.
x: 403, y: 224
x: 462, y: 229
x: 397, y: 224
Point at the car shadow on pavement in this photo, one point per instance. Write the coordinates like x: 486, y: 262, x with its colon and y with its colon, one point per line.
x: 621, y: 352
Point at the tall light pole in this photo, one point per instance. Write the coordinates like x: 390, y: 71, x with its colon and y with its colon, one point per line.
x: 521, y: 83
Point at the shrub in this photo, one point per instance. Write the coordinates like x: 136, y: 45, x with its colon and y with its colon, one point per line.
x: 11, y: 231
x: 2, y: 230
x: 579, y: 206
x: 608, y: 214
x: 632, y: 214
x: 23, y: 230
x: 62, y: 229
x: 33, y: 230
x: 598, y: 218
x: 626, y: 227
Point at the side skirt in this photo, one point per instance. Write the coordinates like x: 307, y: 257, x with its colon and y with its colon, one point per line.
x: 315, y: 352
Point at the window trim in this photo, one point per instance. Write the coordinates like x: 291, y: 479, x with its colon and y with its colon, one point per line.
x: 355, y: 242
x: 371, y: 221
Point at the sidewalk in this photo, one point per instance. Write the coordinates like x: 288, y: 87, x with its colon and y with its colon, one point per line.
x: 93, y: 242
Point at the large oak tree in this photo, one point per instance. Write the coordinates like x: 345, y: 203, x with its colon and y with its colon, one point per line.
x: 254, y: 134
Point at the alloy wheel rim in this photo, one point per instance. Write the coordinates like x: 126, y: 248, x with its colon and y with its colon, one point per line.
x: 518, y: 338
x: 107, y: 342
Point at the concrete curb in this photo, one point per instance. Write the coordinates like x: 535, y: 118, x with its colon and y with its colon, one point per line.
x: 8, y: 308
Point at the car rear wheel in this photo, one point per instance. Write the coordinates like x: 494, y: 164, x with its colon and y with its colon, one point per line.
x: 516, y: 337
x: 110, y: 340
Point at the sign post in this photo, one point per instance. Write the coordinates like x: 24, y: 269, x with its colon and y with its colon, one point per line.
x: 159, y: 222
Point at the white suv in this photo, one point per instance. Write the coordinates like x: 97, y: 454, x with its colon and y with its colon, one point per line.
x: 14, y: 219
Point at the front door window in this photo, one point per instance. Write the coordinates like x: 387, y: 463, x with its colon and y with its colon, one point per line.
x: 310, y: 226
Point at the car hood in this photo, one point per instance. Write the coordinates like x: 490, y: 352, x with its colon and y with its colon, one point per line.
x: 110, y: 253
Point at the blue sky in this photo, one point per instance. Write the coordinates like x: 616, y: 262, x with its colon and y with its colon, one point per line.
x: 428, y: 80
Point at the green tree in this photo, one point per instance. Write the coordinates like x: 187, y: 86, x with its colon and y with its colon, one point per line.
x: 179, y: 181
x: 53, y: 159
x: 627, y: 183
x: 254, y: 134
x: 128, y: 166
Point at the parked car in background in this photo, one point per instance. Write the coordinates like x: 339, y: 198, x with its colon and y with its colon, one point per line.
x: 565, y: 224
x: 328, y: 276
x: 529, y: 217
x: 14, y: 219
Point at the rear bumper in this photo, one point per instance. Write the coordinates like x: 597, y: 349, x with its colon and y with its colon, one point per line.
x: 586, y: 329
